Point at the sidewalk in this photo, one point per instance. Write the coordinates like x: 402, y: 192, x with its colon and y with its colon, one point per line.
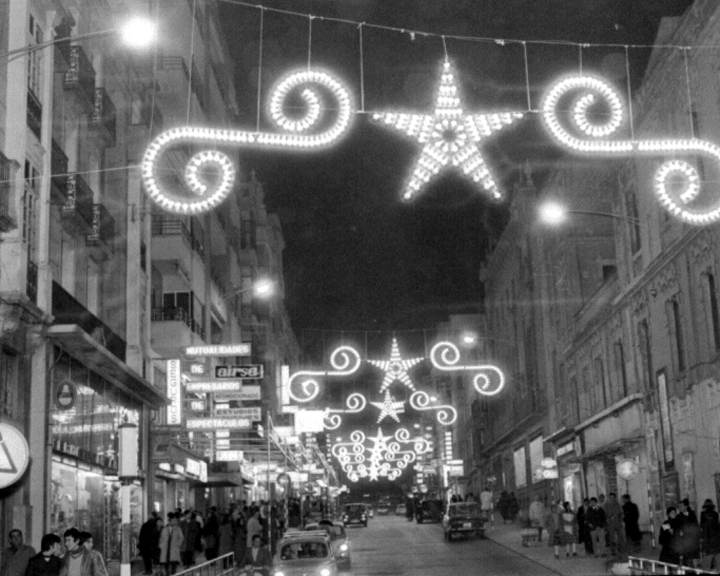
x: 508, y: 536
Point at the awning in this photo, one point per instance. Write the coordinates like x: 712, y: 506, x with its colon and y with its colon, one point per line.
x: 612, y: 448
x: 223, y: 481
x: 95, y: 356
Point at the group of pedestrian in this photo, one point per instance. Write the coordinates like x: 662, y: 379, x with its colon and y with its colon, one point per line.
x: 77, y: 558
x: 508, y: 506
x: 606, y: 525
x: 243, y: 530
x: 688, y: 541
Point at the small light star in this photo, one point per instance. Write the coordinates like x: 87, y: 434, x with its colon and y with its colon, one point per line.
x: 449, y: 137
x: 396, y: 368
x: 389, y: 407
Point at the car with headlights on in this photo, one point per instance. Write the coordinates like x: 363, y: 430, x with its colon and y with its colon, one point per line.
x: 305, y: 554
x: 463, y: 518
x: 339, y: 541
x: 383, y: 509
x: 355, y: 513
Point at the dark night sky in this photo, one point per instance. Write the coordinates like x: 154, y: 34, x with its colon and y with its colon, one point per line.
x: 357, y: 258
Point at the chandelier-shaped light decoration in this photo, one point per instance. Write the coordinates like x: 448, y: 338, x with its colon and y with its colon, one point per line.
x: 489, y: 379
x: 303, y: 386
x: 396, y: 368
x: 389, y: 407
x: 446, y: 414
x: 449, y: 137
x: 355, y: 403
x: 676, y: 182
x: 210, y: 174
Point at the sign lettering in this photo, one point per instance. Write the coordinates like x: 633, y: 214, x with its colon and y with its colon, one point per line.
x: 247, y: 371
x: 218, y: 423
x: 219, y: 350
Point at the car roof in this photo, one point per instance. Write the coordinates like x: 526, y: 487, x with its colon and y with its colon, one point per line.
x: 309, y: 536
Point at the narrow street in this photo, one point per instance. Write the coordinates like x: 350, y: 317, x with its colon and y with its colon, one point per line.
x: 391, y: 545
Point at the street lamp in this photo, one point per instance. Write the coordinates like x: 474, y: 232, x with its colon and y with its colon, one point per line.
x: 135, y: 32
x: 263, y: 288
x: 553, y: 213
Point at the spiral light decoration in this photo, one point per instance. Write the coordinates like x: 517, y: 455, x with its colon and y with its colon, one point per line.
x: 345, y: 360
x: 676, y: 182
x: 489, y: 380
x: 446, y: 414
x: 355, y: 403
x: 206, y: 194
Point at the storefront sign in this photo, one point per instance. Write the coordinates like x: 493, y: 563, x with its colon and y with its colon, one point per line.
x: 66, y: 394
x: 196, y: 468
x: 245, y: 393
x: 454, y: 470
x: 219, y: 350
x: 247, y: 371
x: 229, y: 455
x: 254, y: 414
x: 196, y: 405
x: 214, y: 386
x: 174, y: 393
x: 197, y: 368
x: 14, y: 455
x: 309, y: 421
x: 218, y: 423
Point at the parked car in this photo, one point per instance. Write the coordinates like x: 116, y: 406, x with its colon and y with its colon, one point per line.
x: 339, y: 541
x: 383, y: 509
x: 305, y: 553
x: 463, y: 518
x: 355, y: 514
x: 429, y: 511
x: 400, y: 510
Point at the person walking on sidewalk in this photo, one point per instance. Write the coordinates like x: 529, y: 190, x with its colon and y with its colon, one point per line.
x: 710, y: 529
x: 583, y: 533
x: 486, y: 505
x: 631, y: 518
x: 554, y: 528
x: 171, y: 541
x: 595, y: 523
x: 668, y: 538
x: 536, y: 515
x: 614, y: 521
x: 569, y: 530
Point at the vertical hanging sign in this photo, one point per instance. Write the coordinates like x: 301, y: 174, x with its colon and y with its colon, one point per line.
x: 174, y: 392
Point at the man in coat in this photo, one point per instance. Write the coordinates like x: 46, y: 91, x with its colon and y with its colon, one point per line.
x: 171, y: 542
x: 15, y: 558
x: 79, y: 561
x: 614, y: 517
x: 148, y: 542
x: 631, y: 517
x: 47, y: 562
x: 595, y: 523
x: 191, y: 533
x: 257, y: 558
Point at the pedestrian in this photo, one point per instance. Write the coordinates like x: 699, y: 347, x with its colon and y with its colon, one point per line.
x: 254, y: 527
x: 88, y: 543
x: 595, y: 523
x: 504, y: 506
x: 614, y: 518
x: 191, y: 536
x: 239, y: 531
x: 149, y: 542
x: 688, y: 535
x: 47, y: 562
x: 631, y: 518
x: 583, y: 533
x: 536, y: 515
x: 171, y: 543
x: 79, y: 560
x: 710, y: 531
x: 554, y: 527
x: 257, y: 558
x: 668, y: 538
x: 569, y: 530
x: 15, y: 557
x: 486, y: 505
x: 210, y: 534
x: 514, y: 506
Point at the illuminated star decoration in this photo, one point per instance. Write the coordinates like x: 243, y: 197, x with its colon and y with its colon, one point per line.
x: 377, y: 466
x: 449, y: 137
x: 396, y: 368
x: 389, y: 407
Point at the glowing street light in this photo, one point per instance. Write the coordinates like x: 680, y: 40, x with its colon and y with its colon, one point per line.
x: 555, y: 214
x: 263, y: 288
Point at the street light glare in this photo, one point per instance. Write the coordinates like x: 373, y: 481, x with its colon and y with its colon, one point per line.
x: 264, y: 288
x: 138, y: 32
x: 553, y: 213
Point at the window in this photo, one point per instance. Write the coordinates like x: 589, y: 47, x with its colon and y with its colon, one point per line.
x: 601, y: 397
x: 35, y: 58
x: 713, y: 311
x: 620, y: 373
x: 645, y: 353
x: 29, y: 227
x: 676, y: 333
x: 631, y: 209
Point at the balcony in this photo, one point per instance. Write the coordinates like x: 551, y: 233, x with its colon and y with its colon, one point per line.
x: 103, y: 232
x: 7, y: 177
x: 59, y: 168
x: 67, y: 310
x: 80, y: 76
x: 77, y: 210
x: 173, y: 328
x: 103, y: 118
x: 34, y: 113
x: 31, y: 284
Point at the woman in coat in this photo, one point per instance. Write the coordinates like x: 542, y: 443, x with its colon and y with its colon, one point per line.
x: 171, y: 542
x: 668, y: 538
x: 554, y: 527
x: 568, y: 529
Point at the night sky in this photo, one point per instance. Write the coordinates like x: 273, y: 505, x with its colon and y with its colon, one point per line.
x: 358, y: 258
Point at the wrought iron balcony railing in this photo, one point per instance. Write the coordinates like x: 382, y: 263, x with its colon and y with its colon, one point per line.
x: 80, y: 76
x: 103, y: 117
x: 34, y: 113
x: 79, y: 203
x: 103, y: 227
x: 59, y: 168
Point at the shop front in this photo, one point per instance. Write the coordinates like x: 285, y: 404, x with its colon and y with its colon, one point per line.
x: 179, y: 477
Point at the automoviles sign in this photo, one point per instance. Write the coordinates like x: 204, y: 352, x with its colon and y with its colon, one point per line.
x: 247, y: 371
x: 219, y: 350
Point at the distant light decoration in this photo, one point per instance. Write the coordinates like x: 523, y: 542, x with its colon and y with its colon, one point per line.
x: 355, y: 403
x: 345, y: 360
x: 446, y: 414
x: 676, y: 182
x: 490, y: 379
x: 449, y: 137
x: 396, y: 368
x: 389, y: 407
x: 206, y: 194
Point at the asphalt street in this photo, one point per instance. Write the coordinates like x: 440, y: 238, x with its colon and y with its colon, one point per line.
x: 391, y: 545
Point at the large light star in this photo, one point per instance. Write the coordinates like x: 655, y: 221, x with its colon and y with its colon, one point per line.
x: 389, y: 407
x: 396, y: 368
x: 449, y: 137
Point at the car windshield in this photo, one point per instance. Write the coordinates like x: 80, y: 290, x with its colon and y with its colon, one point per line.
x: 355, y: 508
x: 470, y: 509
x: 303, y: 550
